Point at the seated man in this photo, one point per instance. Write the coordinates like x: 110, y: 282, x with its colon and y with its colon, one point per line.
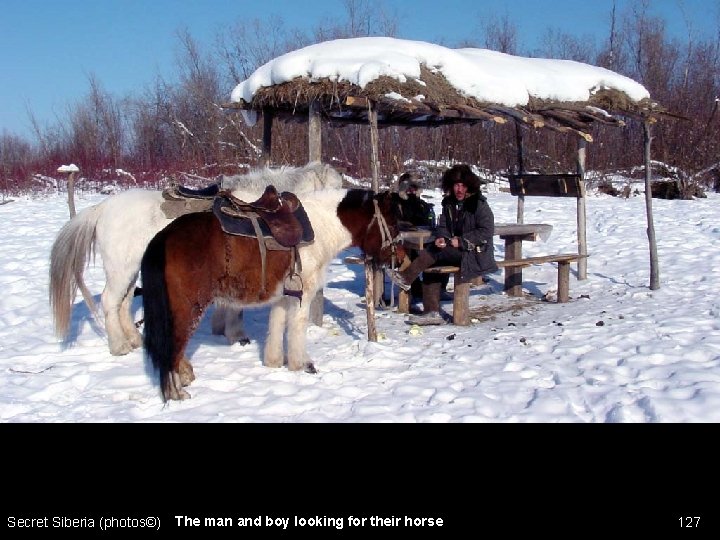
x: 463, y: 238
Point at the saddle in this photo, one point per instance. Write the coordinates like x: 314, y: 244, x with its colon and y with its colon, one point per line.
x: 273, y: 217
x: 177, y: 192
x: 181, y: 200
x: 278, y: 221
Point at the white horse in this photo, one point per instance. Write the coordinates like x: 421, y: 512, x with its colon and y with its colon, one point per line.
x: 121, y: 227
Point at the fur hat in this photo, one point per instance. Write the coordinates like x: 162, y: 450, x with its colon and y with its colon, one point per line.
x: 460, y: 174
x: 405, y: 182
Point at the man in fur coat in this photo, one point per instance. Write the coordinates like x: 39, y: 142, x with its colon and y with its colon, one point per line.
x: 463, y: 238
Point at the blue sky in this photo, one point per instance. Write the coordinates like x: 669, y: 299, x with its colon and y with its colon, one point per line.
x: 49, y: 48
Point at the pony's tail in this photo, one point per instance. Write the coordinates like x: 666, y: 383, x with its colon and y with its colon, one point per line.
x: 69, y: 256
x: 158, y: 325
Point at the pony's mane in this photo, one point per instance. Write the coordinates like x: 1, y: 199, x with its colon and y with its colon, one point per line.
x: 312, y: 177
x: 356, y: 198
x: 328, y: 196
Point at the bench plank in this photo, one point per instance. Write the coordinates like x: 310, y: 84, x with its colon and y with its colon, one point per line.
x: 527, y: 261
x: 461, y: 297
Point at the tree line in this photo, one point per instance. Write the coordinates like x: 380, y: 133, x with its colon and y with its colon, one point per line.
x: 179, y: 126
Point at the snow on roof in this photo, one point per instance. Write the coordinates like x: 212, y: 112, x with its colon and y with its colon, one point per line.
x: 485, y: 75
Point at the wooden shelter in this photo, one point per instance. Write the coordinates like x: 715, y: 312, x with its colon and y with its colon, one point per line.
x: 377, y: 105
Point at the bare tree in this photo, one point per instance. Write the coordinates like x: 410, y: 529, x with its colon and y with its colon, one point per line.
x: 613, y: 55
x: 362, y: 18
x: 246, y: 45
x: 559, y: 44
x: 501, y: 34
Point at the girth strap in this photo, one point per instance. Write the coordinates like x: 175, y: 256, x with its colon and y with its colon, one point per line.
x: 261, y: 244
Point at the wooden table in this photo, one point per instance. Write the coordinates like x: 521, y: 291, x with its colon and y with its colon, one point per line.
x: 416, y: 237
x: 514, y: 235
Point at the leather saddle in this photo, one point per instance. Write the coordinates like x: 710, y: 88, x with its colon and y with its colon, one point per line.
x: 181, y: 200
x: 180, y: 193
x: 274, y: 216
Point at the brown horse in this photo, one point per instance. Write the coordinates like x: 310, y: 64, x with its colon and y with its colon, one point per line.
x: 192, y: 261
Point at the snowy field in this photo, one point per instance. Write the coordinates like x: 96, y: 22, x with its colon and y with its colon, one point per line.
x: 617, y: 352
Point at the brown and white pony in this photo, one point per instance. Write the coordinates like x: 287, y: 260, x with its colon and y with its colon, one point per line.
x: 192, y: 262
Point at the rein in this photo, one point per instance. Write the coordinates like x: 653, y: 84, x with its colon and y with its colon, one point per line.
x: 387, y: 239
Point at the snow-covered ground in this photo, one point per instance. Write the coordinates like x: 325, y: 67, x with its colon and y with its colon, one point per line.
x: 617, y: 352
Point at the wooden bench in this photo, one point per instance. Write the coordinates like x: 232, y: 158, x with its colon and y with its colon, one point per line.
x: 555, y: 185
x: 461, y: 295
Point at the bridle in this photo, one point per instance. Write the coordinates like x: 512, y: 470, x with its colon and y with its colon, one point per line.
x: 387, y: 239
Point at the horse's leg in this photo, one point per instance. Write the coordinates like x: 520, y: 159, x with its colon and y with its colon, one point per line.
x: 297, y: 322
x: 235, y: 325
x: 185, y: 371
x: 186, y: 318
x: 274, y: 354
x: 227, y: 320
x: 112, y: 303
x: 132, y: 334
x: 217, y: 322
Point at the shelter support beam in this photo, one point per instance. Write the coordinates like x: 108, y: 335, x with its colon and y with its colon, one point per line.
x: 315, y: 154
x: 654, y: 270
x: 374, y: 143
x: 521, y: 170
x: 374, y: 280
x: 314, y: 132
x: 582, y: 211
x: 370, y: 299
x: 268, y: 116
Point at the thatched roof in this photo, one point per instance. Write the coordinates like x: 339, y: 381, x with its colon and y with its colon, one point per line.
x: 430, y: 99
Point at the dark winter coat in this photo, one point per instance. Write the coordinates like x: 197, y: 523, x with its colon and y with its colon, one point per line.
x: 413, y: 210
x: 475, y: 225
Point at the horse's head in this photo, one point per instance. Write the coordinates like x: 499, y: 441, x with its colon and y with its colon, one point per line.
x: 371, y: 220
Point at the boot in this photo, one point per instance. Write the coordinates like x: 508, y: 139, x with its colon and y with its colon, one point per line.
x: 424, y: 260
x: 405, y: 278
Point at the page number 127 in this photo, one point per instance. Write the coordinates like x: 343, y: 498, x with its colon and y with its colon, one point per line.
x: 689, y: 521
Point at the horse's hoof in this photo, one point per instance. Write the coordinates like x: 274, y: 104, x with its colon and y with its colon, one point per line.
x: 174, y: 388
x: 176, y: 395
x: 310, y: 368
x: 121, y: 350
x: 244, y: 341
x: 273, y: 362
x: 136, y: 340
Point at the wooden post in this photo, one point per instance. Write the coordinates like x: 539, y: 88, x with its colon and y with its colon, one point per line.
x: 314, y: 132
x: 378, y: 281
x: 317, y: 306
x: 654, y: 270
x: 71, y: 171
x: 513, y: 274
x: 370, y: 299
x: 461, y: 304
x: 581, y: 211
x: 71, y: 193
x: 403, y: 301
x: 374, y: 153
x: 521, y: 170
x: 563, y: 292
x: 373, y: 286
x: 266, y: 157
